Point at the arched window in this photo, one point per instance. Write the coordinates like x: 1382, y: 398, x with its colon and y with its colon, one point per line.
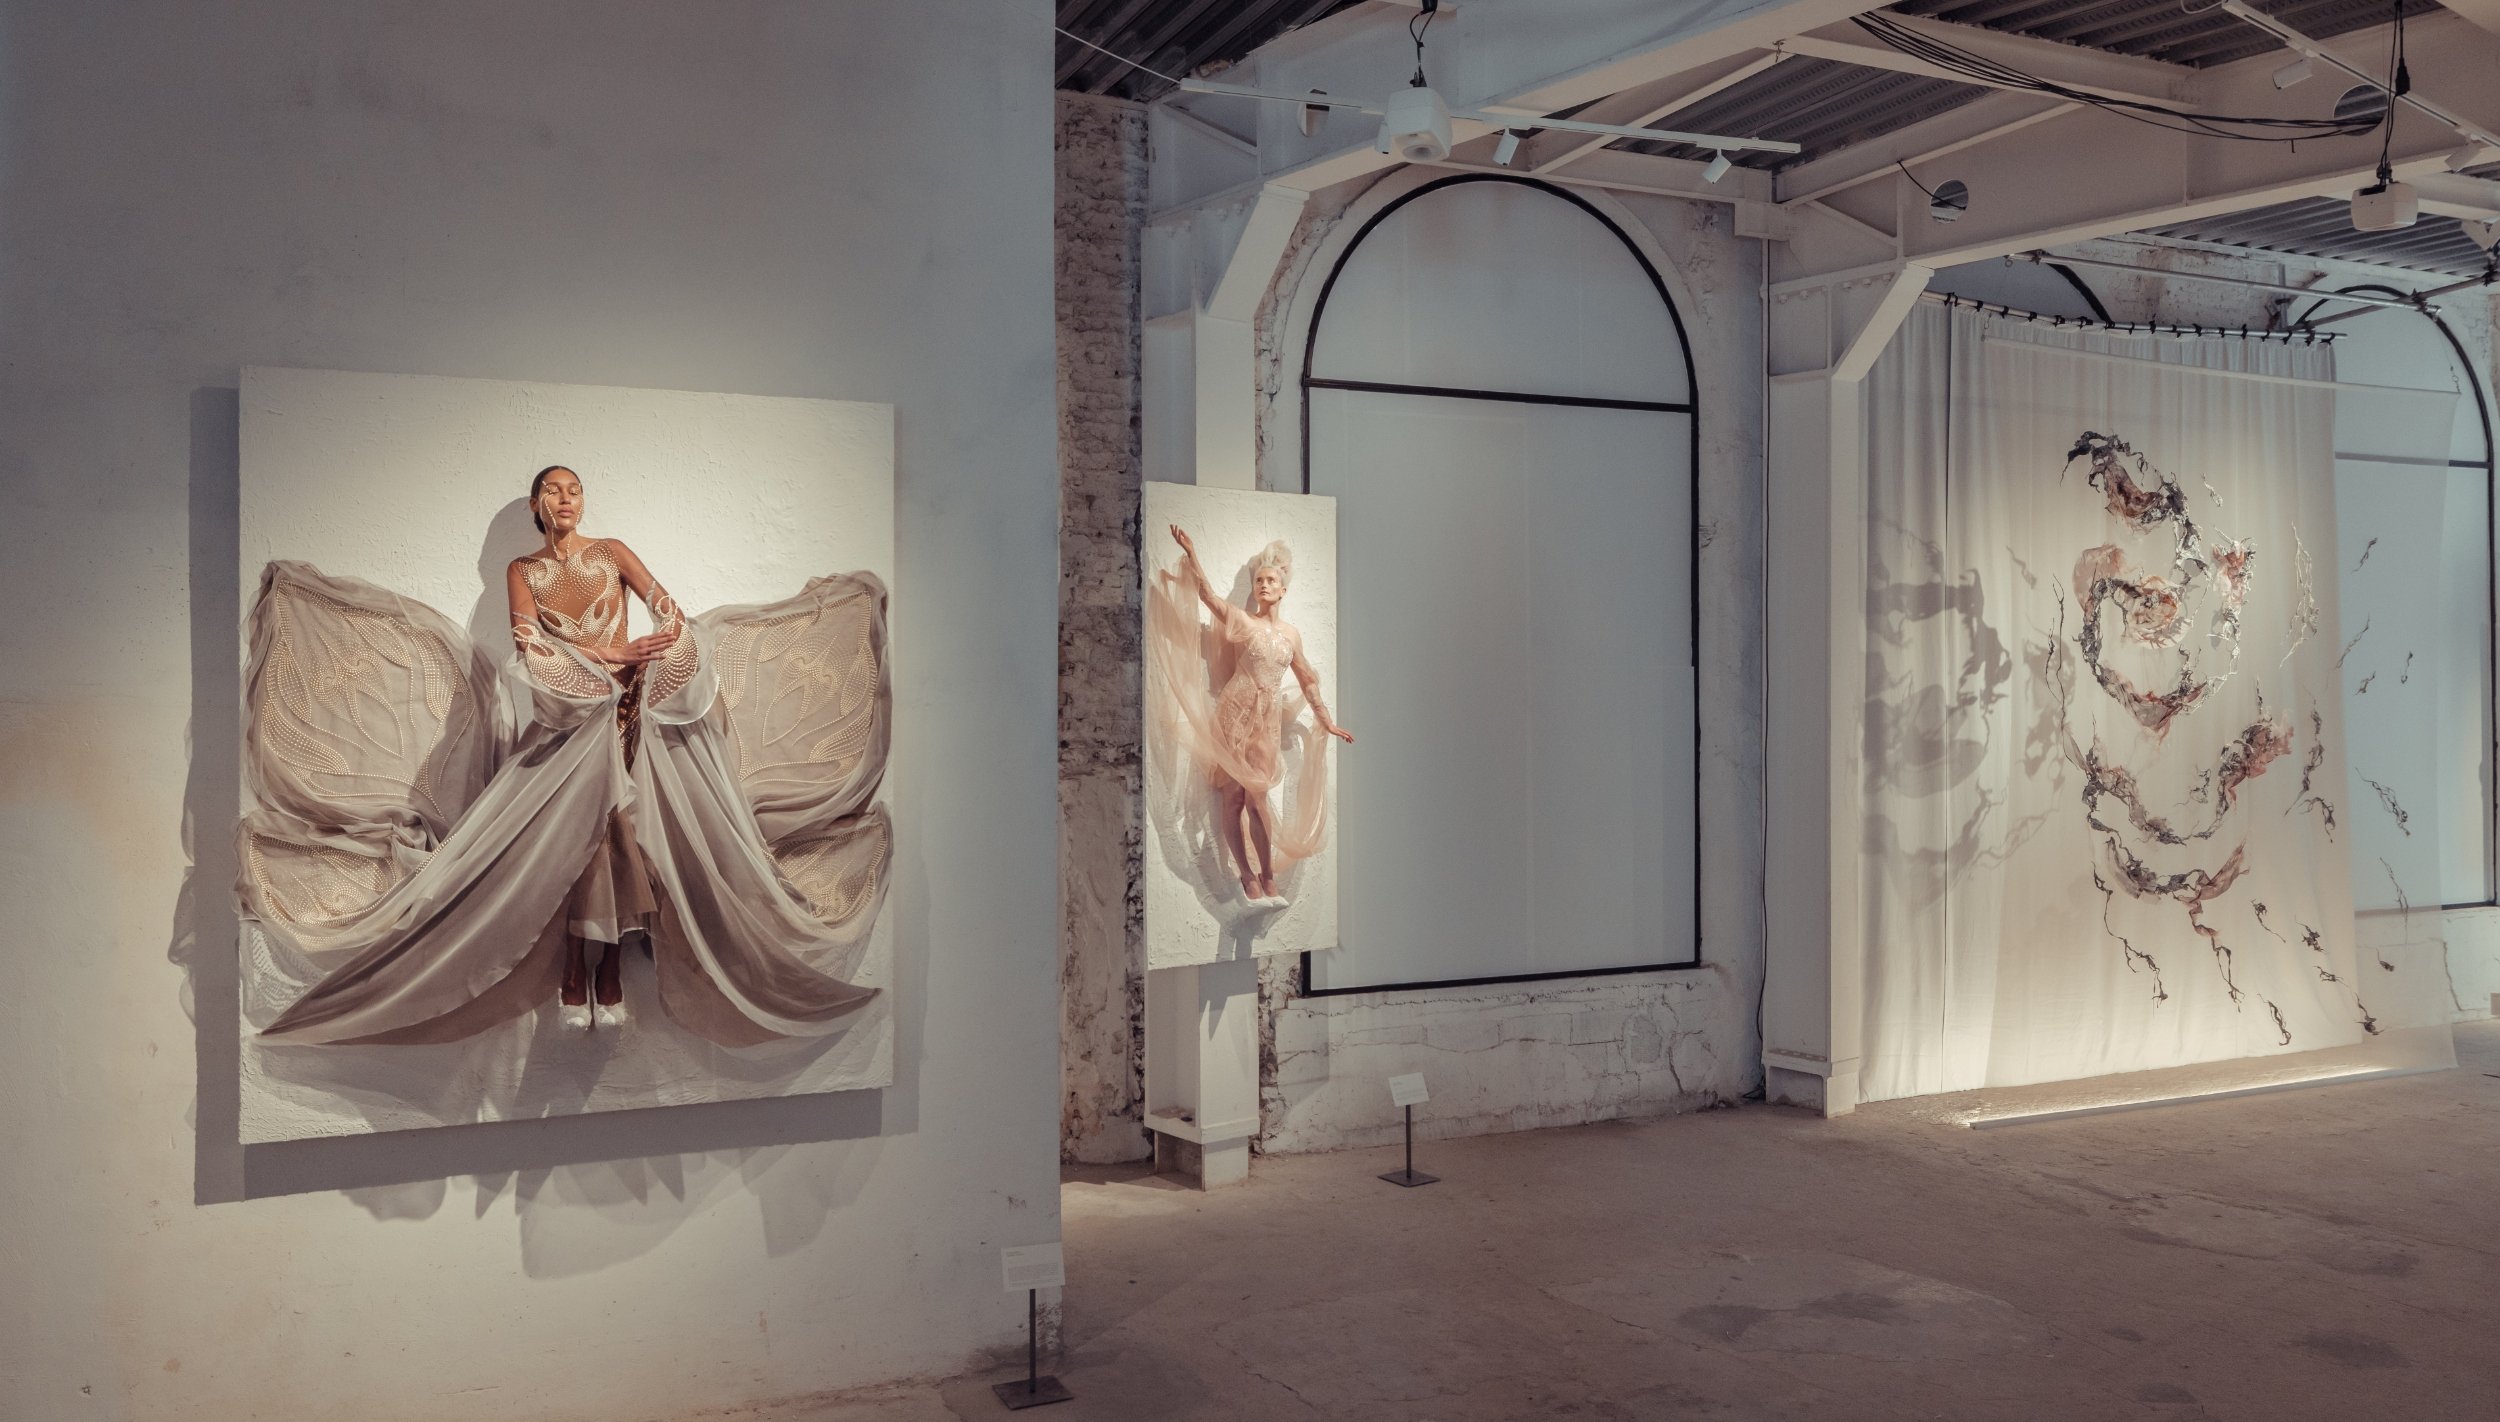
x: 2414, y: 523
x: 1498, y: 392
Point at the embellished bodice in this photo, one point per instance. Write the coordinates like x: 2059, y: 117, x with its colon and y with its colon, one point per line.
x: 1267, y: 648
x: 581, y: 597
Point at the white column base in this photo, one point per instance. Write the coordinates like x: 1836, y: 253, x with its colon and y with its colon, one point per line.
x: 1202, y: 1069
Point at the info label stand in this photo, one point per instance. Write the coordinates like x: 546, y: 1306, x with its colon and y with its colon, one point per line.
x: 1408, y: 1091
x: 1033, y: 1268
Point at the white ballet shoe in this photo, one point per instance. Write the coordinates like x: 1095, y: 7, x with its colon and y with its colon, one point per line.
x: 575, y: 1017
x: 613, y: 1015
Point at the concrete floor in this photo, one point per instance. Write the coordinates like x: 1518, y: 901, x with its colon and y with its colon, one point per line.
x: 2331, y: 1253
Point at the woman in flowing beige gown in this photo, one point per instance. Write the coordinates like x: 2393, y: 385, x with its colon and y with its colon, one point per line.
x: 413, y: 874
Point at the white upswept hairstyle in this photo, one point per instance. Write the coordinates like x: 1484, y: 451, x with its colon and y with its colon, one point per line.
x: 1275, y: 555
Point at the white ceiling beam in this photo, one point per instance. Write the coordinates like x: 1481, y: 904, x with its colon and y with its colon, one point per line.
x: 1642, y: 106
x: 1649, y: 173
x: 1990, y: 117
x: 2458, y: 195
x: 1526, y: 55
x: 2485, y: 13
x: 2088, y: 174
x: 2115, y: 76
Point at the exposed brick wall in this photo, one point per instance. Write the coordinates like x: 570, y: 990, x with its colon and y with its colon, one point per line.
x: 1101, y: 155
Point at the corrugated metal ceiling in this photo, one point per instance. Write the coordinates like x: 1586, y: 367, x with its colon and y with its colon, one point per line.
x: 1798, y: 102
x: 1825, y: 106
x: 1176, y: 37
x: 2322, y: 227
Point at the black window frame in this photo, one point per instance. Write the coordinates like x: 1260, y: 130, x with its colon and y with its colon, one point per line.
x: 1689, y: 407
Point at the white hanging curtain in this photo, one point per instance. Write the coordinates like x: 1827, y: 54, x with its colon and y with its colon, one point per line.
x: 2106, y: 821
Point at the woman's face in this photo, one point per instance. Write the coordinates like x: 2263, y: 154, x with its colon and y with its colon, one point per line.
x: 1268, y: 586
x: 560, y: 502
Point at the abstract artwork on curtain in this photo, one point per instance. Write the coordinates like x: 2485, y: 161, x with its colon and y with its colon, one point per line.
x: 2105, y: 760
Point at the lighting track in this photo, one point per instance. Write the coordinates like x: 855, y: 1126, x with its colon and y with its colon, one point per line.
x: 1510, y: 122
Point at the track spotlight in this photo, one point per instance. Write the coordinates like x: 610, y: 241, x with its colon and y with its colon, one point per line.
x: 2385, y: 206
x: 1719, y: 165
x: 2469, y: 155
x: 1507, y: 149
x: 1415, y: 125
x: 2292, y: 73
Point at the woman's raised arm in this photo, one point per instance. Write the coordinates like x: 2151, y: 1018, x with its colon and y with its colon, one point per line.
x: 1198, y: 576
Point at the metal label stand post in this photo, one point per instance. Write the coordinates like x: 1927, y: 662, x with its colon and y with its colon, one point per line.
x: 1408, y: 1177
x: 1035, y: 1390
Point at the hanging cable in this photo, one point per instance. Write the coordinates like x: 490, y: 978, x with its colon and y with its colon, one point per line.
x: 2399, y: 83
x: 1977, y: 68
x: 1415, y: 30
x: 1124, y: 59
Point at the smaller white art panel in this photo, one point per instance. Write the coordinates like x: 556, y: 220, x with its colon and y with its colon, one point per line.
x: 1237, y: 754
x: 379, y: 516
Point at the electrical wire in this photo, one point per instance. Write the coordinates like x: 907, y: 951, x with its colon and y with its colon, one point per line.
x: 1416, y: 28
x: 1950, y: 57
x: 1124, y: 59
x: 2399, y: 81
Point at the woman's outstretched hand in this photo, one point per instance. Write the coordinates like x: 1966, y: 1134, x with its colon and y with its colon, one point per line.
x: 1341, y: 733
x: 1183, y: 540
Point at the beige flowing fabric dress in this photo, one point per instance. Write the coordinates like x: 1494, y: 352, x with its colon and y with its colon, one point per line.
x: 411, y: 872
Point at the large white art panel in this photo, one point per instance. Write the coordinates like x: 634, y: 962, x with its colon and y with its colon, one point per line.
x: 1196, y: 911
x: 418, y: 484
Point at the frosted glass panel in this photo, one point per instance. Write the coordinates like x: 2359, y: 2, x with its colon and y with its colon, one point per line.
x: 1516, y: 616
x: 2402, y: 349
x: 1500, y: 286
x: 2413, y: 532
x: 2415, y: 598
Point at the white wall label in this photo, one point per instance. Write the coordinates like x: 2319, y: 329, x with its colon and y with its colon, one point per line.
x: 1034, y: 1266
x: 1408, y: 1090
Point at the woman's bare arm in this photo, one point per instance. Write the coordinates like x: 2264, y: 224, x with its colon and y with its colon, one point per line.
x: 666, y: 624
x: 1309, y: 677
x: 1198, y: 575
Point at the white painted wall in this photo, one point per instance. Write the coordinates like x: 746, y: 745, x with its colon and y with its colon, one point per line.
x: 771, y: 198
x: 1518, y: 1056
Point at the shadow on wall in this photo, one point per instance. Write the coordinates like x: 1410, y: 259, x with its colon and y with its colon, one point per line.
x: 589, y: 1190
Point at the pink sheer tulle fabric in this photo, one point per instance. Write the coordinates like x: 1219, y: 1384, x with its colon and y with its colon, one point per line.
x: 1218, y: 691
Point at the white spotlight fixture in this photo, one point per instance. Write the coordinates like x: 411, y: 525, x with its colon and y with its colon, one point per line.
x: 1415, y: 125
x: 1719, y: 165
x: 1507, y: 149
x: 2292, y: 73
x: 2385, y: 206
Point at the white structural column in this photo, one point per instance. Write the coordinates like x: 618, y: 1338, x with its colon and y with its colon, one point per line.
x: 1824, y: 339
x: 1207, y: 270
x: 1202, y: 1069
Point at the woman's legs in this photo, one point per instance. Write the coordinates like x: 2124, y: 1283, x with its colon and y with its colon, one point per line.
x: 1228, y: 821
x: 1255, y: 807
x: 612, y: 975
x: 576, y: 972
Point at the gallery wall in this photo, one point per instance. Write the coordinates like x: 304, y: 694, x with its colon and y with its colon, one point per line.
x: 847, y: 202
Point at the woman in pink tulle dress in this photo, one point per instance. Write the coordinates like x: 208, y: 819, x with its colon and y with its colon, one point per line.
x: 1240, y: 735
